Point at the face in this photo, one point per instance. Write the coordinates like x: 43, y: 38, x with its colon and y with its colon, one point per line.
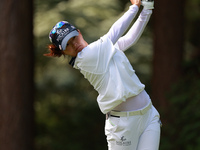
x: 75, y: 45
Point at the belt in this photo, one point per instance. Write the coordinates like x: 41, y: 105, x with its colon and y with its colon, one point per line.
x: 129, y: 113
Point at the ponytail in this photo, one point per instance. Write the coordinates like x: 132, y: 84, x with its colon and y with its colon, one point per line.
x: 54, y: 51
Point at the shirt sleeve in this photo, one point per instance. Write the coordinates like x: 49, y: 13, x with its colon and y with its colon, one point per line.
x: 122, y: 24
x: 135, y: 32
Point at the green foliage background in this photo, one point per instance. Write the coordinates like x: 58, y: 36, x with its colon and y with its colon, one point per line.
x: 67, y: 114
x: 182, y: 132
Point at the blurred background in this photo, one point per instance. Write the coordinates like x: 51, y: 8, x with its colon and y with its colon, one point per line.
x: 46, y: 104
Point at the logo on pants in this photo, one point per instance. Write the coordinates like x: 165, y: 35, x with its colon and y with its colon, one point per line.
x: 123, y: 142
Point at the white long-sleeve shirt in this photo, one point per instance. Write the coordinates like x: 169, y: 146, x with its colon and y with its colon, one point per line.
x: 105, y: 65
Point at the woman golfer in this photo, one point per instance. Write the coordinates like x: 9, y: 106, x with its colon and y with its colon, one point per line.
x: 132, y: 122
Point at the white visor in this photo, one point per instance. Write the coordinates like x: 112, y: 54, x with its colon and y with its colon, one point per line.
x: 66, y: 39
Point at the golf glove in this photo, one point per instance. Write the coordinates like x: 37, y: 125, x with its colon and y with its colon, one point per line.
x: 148, y: 4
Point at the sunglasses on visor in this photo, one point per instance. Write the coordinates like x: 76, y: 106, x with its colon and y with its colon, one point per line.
x: 57, y: 26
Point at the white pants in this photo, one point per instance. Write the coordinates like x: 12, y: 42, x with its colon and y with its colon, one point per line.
x: 138, y: 131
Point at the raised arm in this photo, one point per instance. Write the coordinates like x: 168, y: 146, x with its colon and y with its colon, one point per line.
x: 122, y: 24
x: 138, y: 27
x: 135, y: 32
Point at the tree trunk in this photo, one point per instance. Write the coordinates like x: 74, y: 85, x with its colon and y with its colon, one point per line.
x: 168, y: 48
x: 16, y: 75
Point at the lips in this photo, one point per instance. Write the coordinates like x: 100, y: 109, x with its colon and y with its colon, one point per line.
x: 79, y: 48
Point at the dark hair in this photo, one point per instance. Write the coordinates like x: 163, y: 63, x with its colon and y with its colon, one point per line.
x: 54, y: 51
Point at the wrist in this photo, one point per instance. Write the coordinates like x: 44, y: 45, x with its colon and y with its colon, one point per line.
x: 134, y: 7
